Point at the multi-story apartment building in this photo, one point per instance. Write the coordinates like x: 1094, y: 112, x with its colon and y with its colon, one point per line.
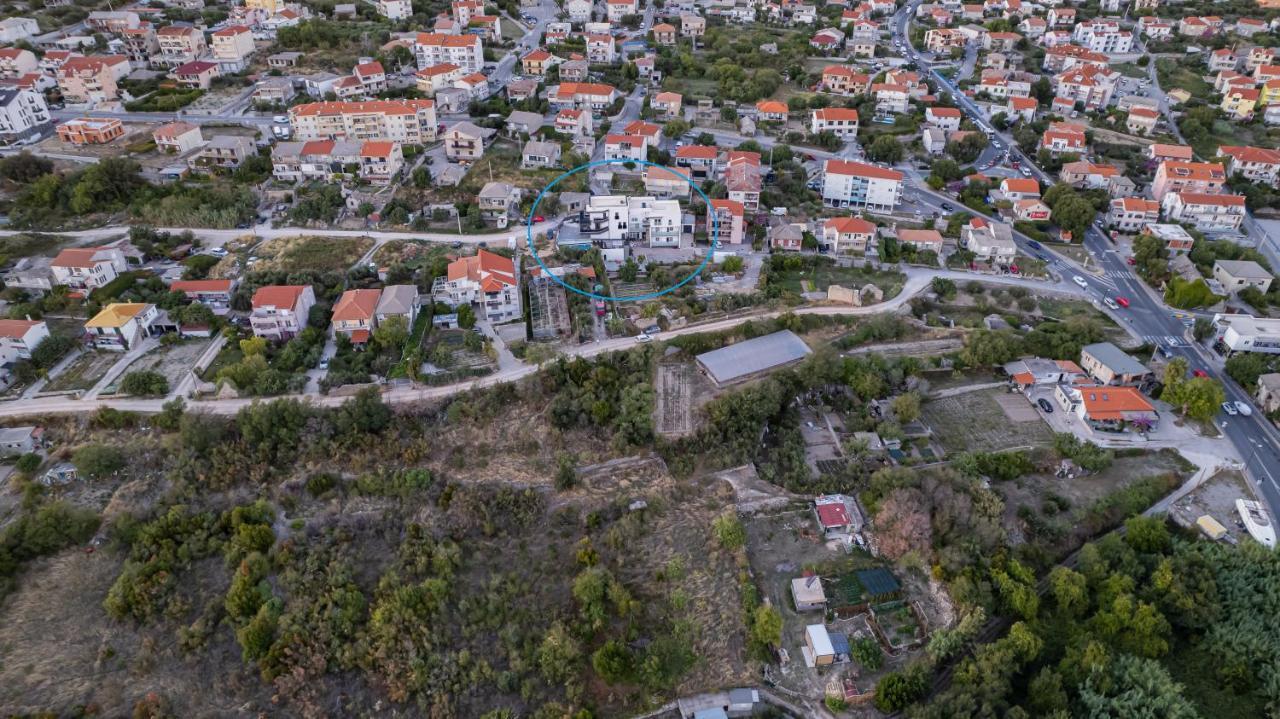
x: 23, y: 114
x: 279, y: 312
x: 859, y: 185
x: 16, y: 62
x: 141, y: 44
x: 592, y: 96
x: 92, y: 79
x: 1131, y: 214
x: 1199, y: 177
x: 1103, y: 36
x: 843, y: 80
x: 625, y: 147
x: 403, y: 121
x: 484, y: 279
x: 841, y: 121
x: 1258, y: 164
x: 465, y: 51
x: 232, y: 47
x: 1088, y: 84
x: 179, y: 45
x: 394, y: 9
x: 1205, y: 212
x: 729, y: 218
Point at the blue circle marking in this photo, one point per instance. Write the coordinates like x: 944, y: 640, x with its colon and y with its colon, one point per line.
x: 533, y: 211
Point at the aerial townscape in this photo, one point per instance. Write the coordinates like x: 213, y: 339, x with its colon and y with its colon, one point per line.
x: 653, y: 359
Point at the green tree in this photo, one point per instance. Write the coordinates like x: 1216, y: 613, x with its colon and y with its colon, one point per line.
x: 466, y: 316
x: 885, y: 148
x: 897, y: 690
x: 1147, y: 535
x: 97, y: 460
x: 1198, y: 398
x: 766, y: 626
x: 1132, y: 686
x: 558, y: 654
x: 729, y: 532
x: 144, y: 383
x: 1070, y: 591
x: 391, y: 332
x: 1073, y: 214
x: 613, y: 662
x: 906, y: 407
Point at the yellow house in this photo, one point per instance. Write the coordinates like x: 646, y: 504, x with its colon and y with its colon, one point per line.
x: 1239, y: 103
x: 121, y: 325
x: 1270, y: 93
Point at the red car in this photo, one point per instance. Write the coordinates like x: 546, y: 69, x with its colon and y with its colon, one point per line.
x: 1199, y: 373
x: 1131, y: 261
x: 539, y: 218
x: 1122, y: 301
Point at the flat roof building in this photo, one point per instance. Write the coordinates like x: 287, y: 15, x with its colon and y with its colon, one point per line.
x: 752, y: 357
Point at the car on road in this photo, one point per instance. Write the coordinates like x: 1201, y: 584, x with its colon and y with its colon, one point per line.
x: 1034, y: 245
x: 539, y: 218
x: 1130, y: 261
x: 1199, y: 373
x: 946, y: 207
x: 280, y: 118
x: 1080, y: 281
x: 1243, y: 408
x: 644, y: 338
x: 1044, y: 405
x: 457, y: 244
x: 1110, y: 303
x: 1122, y: 301
x: 1230, y: 409
x: 1025, y: 172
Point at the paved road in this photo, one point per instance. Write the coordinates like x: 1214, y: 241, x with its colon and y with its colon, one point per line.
x: 1254, y: 438
x: 918, y: 280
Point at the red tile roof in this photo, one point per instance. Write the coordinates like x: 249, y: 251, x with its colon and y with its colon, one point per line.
x: 356, y: 305
x: 858, y: 169
x: 278, y: 296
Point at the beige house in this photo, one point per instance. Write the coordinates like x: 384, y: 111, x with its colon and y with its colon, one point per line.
x: 1235, y: 275
x: 1110, y: 365
x: 465, y: 142
x: 177, y: 138
x: 1268, y: 392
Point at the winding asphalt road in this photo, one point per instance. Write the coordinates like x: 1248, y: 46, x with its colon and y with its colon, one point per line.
x: 1255, y: 438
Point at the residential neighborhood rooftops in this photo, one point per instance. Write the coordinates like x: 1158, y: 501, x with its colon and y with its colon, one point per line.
x: 278, y: 296
x: 117, y: 315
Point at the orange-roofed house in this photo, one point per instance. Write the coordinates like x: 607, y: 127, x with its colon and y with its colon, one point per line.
x: 772, y: 110
x: 87, y: 268
x: 431, y: 80
x: 1142, y: 120
x: 538, y: 61
x: 177, y: 137
x: 730, y: 216
x: 353, y: 315
x: 1023, y: 108
x: 1172, y: 176
x: 651, y: 133
x: 1239, y: 102
x: 1204, y: 212
x: 664, y: 183
x: 844, y: 80
x: 280, y: 312
x: 1258, y: 164
x: 1060, y: 141
x: 92, y: 79
x: 486, y: 280
x: 921, y: 239
x: 625, y: 147
x: 371, y: 76
x: 214, y: 294
x: 17, y: 339
x: 664, y: 34
x: 1033, y: 371
x: 702, y: 161
x: 592, y: 96
x: 1161, y: 152
x: 90, y: 131
x: 1108, y: 409
x: 232, y: 47
x: 841, y: 121
x: 943, y: 118
x: 1130, y: 214
x: 16, y: 62
x: 668, y: 104
x: 1020, y: 188
x: 849, y: 235
x: 1031, y: 210
x: 890, y: 98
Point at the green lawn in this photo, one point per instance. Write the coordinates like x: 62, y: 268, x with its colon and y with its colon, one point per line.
x: 822, y: 276
x: 1173, y: 75
x: 1129, y: 69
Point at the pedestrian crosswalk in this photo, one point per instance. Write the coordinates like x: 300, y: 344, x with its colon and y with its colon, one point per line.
x: 1170, y: 340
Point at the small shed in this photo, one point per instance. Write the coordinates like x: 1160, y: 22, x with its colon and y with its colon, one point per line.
x: 1211, y: 527
x: 808, y: 594
x: 817, y: 645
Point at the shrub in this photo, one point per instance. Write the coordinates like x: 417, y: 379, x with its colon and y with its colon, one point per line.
x: 144, y: 383
x: 97, y: 460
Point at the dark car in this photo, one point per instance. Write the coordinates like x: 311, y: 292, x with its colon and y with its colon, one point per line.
x: 946, y: 207
x: 1034, y: 245
x: 1044, y: 405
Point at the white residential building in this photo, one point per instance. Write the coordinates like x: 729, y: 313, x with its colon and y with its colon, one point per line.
x: 87, y: 268
x: 23, y: 114
x: 403, y: 121
x: 280, y: 312
x: 465, y: 51
x: 485, y: 279
x: 859, y: 185
x: 394, y: 9
x: 1204, y: 212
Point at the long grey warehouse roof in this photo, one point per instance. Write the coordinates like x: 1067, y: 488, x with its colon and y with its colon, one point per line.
x: 754, y: 355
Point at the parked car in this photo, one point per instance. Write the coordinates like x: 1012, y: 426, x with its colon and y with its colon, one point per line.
x: 1110, y: 303
x: 1243, y: 408
x: 643, y: 338
x: 1230, y: 409
x: 1131, y: 261
x: 1122, y: 301
x: 1044, y: 405
x: 280, y: 118
x: 324, y: 363
x: 1199, y: 373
